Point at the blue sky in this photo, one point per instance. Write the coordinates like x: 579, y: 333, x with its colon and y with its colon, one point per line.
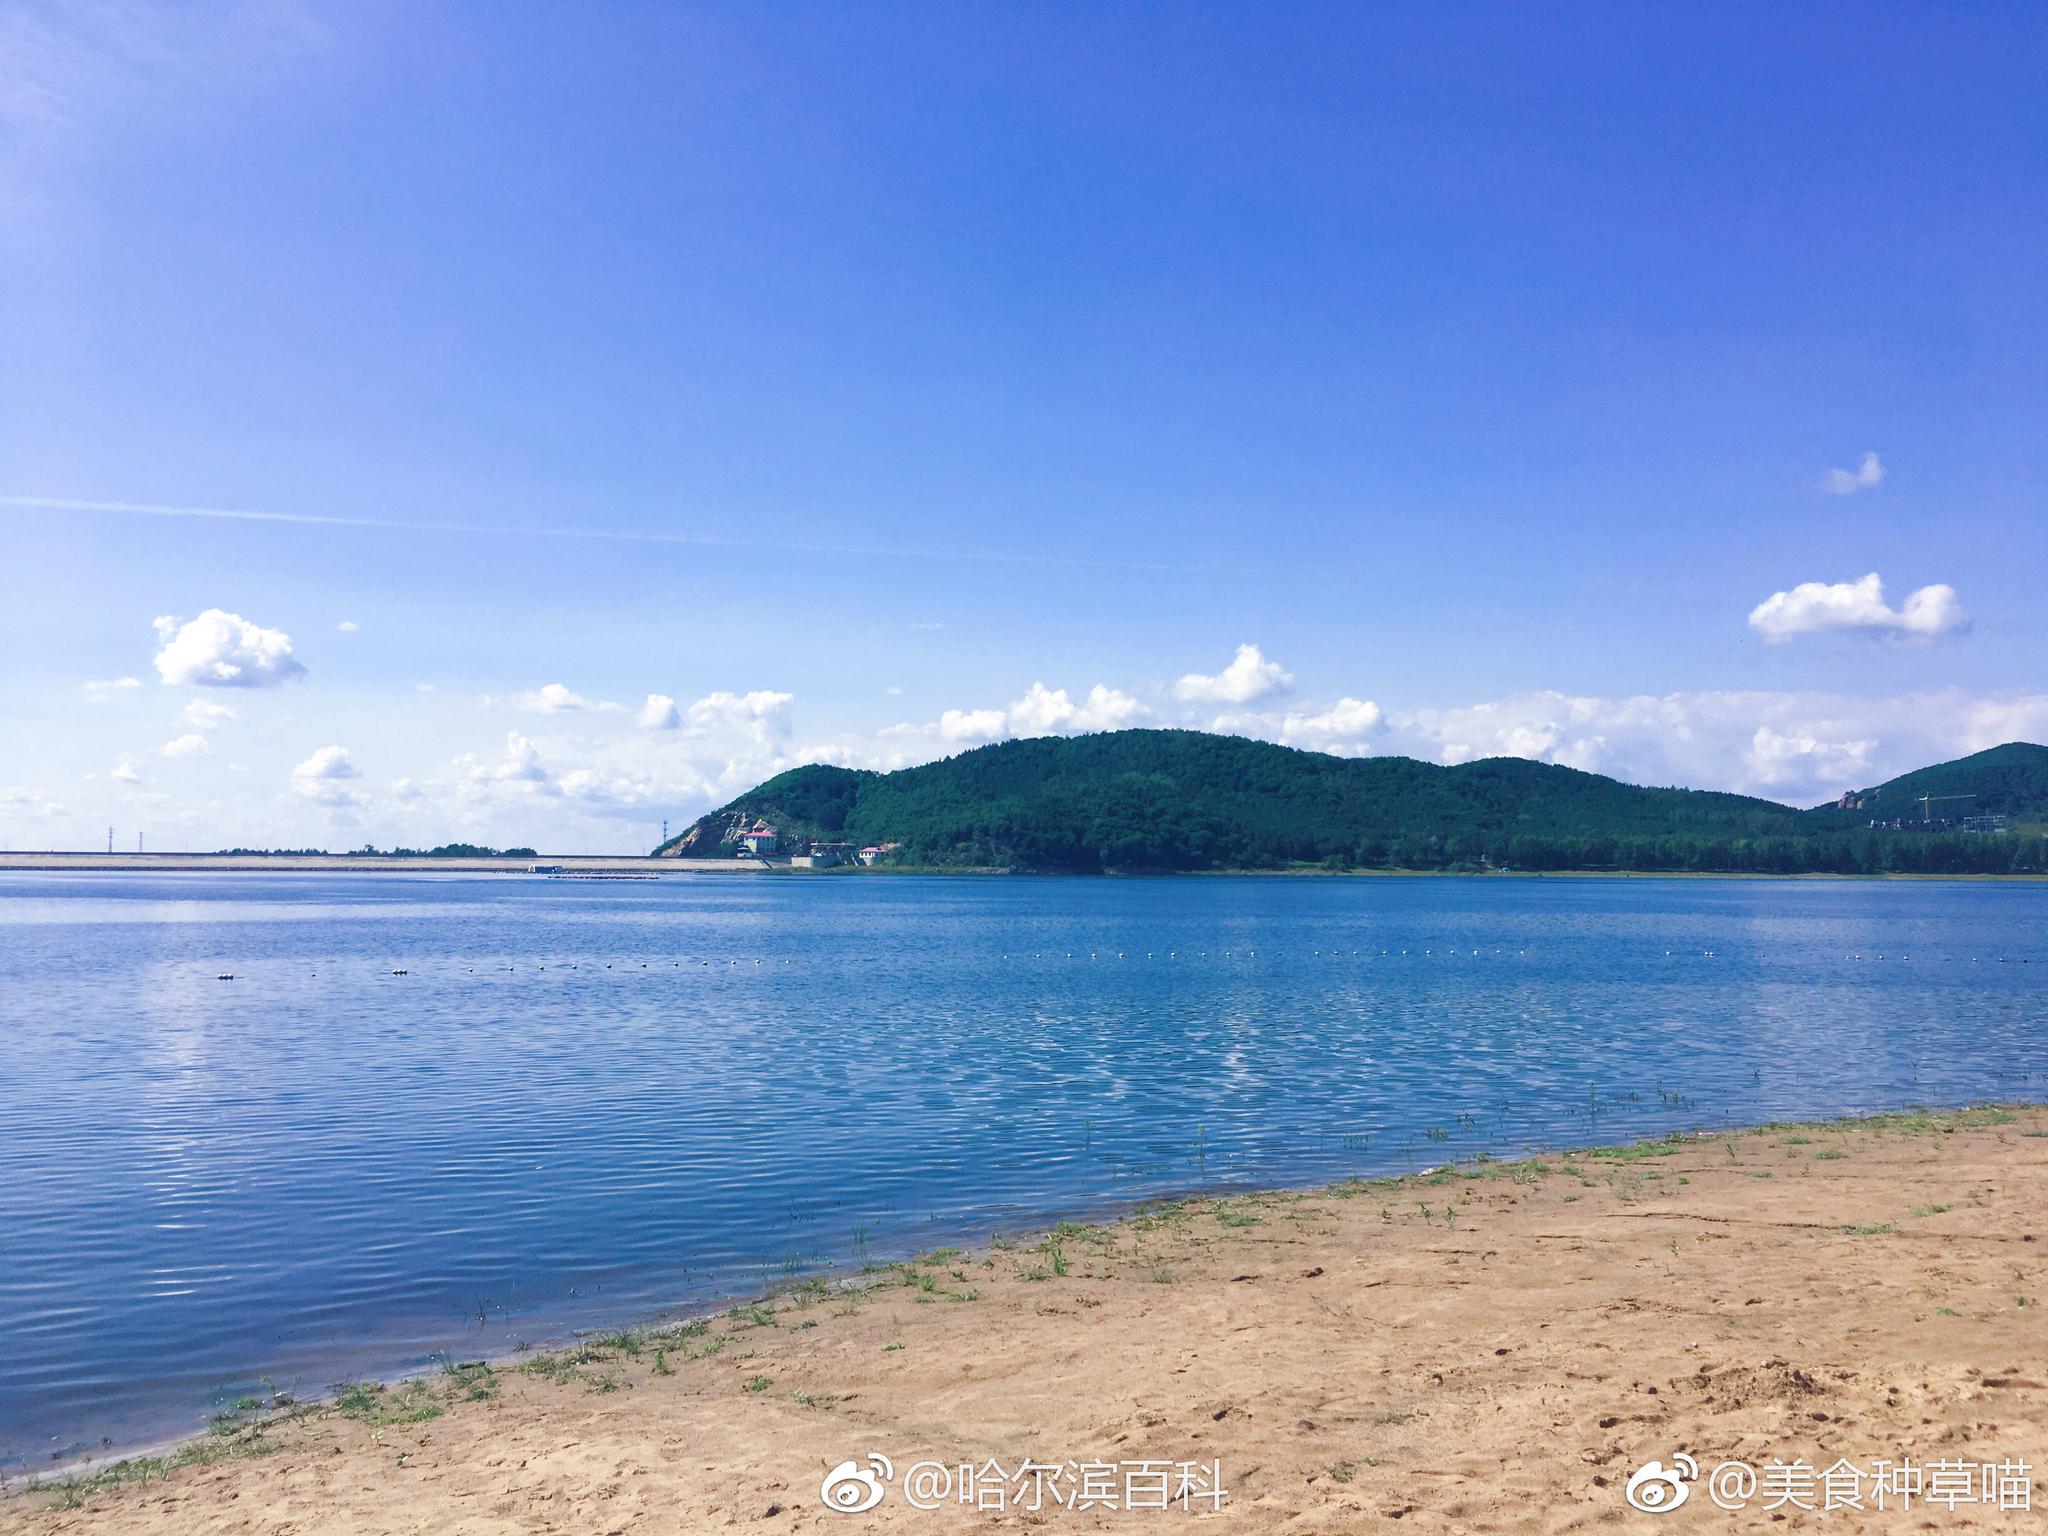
x: 842, y: 373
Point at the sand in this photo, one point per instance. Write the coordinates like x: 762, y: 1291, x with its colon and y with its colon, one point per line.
x: 1493, y: 1349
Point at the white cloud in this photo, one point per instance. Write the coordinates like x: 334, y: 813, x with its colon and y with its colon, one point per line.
x: 1815, y: 607
x: 965, y: 725
x: 1799, y: 757
x: 1343, y: 726
x: 126, y: 771
x: 1042, y: 711
x: 1248, y: 678
x: 224, y: 650
x: 189, y: 745
x: 348, y: 626
x: 323, y: 778
x: 1638, y: 734
x: 1799, y: 748
x: 521, y: 764
x: 559, y: 699
x: 100, y: 690
x: 1049, y: 712
x: 761, y: 716
x: 1994, y: 722
x: 327, y: 763
x: 206, y: 715
x: 659, y: 713
x: 1107, y: 709
x: 1847, y: 482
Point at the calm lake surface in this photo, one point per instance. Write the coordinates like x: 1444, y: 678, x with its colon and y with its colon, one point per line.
x: 590, y: 1102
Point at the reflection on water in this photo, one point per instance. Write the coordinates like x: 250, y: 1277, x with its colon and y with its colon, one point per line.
x: 586, y: 1102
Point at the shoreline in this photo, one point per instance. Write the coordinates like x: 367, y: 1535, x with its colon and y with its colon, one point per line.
x: 574, y: 866
x: 569, y: 864
x: 953, y: 1279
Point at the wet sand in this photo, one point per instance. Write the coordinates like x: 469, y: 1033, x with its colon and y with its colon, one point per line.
x: 1493, y: 1348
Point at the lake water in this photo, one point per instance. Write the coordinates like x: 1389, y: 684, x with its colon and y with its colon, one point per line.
x: 589, y: 1102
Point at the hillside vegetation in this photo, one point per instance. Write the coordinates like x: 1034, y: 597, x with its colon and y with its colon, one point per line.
x: 1187, y: 800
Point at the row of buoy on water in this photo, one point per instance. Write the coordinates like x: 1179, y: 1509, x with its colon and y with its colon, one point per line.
x: 1945, y: 959
x: 1253, y: 954
x: 1174, y: 954
x: 471, y: 970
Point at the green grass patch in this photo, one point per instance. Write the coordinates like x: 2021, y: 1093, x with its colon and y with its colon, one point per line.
x: 410, y: 1402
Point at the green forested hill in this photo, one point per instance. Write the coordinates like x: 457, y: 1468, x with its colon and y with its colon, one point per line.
x: 2011, y: 780
x: 1187, y: 800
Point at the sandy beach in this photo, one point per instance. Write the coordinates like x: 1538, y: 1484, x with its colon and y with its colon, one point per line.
x: 1497, y: 1347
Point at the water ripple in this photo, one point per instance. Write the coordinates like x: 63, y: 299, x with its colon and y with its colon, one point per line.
x: 583, y: 1103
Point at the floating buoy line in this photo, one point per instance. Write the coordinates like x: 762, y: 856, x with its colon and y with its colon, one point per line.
x: 1175, y: 958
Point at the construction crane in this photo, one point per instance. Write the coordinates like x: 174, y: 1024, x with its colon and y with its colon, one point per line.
x: 1926, y: 802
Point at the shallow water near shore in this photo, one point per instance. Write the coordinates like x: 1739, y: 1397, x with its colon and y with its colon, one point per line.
x: 585, y: 1103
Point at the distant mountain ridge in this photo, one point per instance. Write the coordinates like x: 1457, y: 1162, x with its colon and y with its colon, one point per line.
x: 1171, y: 800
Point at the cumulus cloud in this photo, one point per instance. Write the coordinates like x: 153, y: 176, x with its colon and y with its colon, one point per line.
x: 126, y: 771
x: 560, y: 699
x: 1345, y: 725
x: 521, y: 764
x: 760, y: 716
x: 1049, y: 712
x: 323, y: 778
x: 191, y: 744
x: 659, y: 713
x: 224, y: 650
x: 1042, y: 711
x: 100, y: 690
x: 1796, y: 747
x: 630, y: 779
x: 1800, y: 757
x: 206, y: 715
x: 1816, y: 607
x: 1248, y: 678
x: 972, y: 725
x: 348, y: 626
x: 1847, y: 482
x: 1548, y: 727
x: 1994, y: 722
